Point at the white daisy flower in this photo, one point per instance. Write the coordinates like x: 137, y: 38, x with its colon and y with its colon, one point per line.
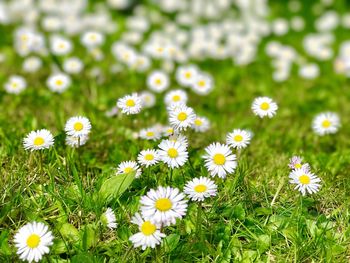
x: 33, y: 241
x: 168, y: 131
x: 130, y: 104
x: 32, y: 64
x: 219, y: 160
x: 264, y: 106
x: 158, y: 81
x: 78, y: 126
x: 60, y: 45
x: 149, y: 235
x: 181, y: 117
x: 92, y: 39
x: 148, y: 157
x: 76, y: 141
x: 108, y: 218
x: 238, y: 138
x: 174, y: 154
x: 201, y: 124
x: 148, y: 99
x: 200, y: 188
x: 186, y: 75
x: 163, y: 205
x: 38, y: 140
x: 129, y: 167
x: 202, y: 84
x: 180, y: 138
x: 73, y: 65
x: 15, y: 84
x: 306, y: 182
x: 175, y: 97
x: 58, y: 82
x: 296, y: 163
x: 150, y: 134
x: 326, y: 123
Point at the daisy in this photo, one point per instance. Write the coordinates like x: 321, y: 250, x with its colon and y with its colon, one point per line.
x: 148, y: 99
x: 200, y: 188
x: 326, y: 123
x: 38, y: 140
x: 202, y: 84
x: 174, y: 154
x: 129, y: 167
x: 296, y: 163
x: 219, y: 160
x: 238, y: 138
x: 149, y: 235
x: 15, y: 84
x: 264, y: 106
x: 158, y: 81
x: 168, y: 131
x: 186, y: 75
x: 32, y: 64
x: 58, y: 82
x: 76, y: 141
x: 78, y: 126
x: 108, y: 218
x: 148, y: 157
x: 175, y: 97
x: 92, y: 39
x: 180, y: 138
x: 60, y: 46
x: 150, y: 134
x: 201, y: 124
x: 130, y: 104
x: 163, y: 205
x: 181, y: 117
x: 73, y: 65
x: 306, y: 182
x: 33, y: 241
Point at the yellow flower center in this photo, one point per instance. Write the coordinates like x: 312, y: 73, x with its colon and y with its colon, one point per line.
x: 219, y: 159
x: 38, y: 141
x: 150, y: 134
x: 176, y: 98
x: 238, y: 138
x: 158, y: 81
x: 160, y: 49
x: 198, y: 122
x: 200, y: 188
x: 130, y: 103
x: 188, y: 75
x: 182, y: 116
x: 326, y: 124
x: 14, y: 85
x: 298, y: 165
x: 163, y: 204
x: 149, y: 157
x: 148, y: 228
x: 78, y: 126
x: 33, y: 241
x: 304, y: 179
x: 201, y: 83
x: 172, y: 152
x: 264, y: 106
x: 128, y: 170
x: 59, y: 82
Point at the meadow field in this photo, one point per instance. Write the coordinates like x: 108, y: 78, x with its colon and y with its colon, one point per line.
x: 174, y: 131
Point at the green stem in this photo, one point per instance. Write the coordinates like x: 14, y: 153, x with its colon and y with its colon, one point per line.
x: 199, y: 221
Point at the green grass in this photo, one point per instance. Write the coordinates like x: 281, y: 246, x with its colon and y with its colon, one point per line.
x: 257, y: 216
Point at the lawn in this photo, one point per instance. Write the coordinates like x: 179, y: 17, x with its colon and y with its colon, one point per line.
x: 256, y: 214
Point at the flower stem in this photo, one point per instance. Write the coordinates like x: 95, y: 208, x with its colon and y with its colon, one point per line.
x: 199, y: 221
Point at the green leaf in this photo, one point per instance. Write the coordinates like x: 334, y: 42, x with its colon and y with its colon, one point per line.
x: 4, y: 246
x: 263, y: 242
x: 170, y: 242
x: 88, y: 237
x: 86, y: 258
x: 69, y: 232
x: 261, y: 211
x: 115, y: 186
x: 58, y: 247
